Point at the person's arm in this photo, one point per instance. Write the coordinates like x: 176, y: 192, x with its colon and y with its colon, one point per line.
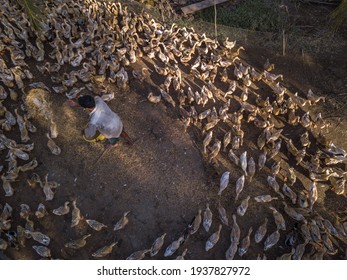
x: 90, y: 131
x: 71, y: 103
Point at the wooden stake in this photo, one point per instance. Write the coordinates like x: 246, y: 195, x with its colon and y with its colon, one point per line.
x: 215, y: 19
x: 283, y: 43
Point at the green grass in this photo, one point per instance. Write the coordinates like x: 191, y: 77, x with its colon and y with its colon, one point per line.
x: 339, y: 15
x: 257, y: 15
x: 33, y: 9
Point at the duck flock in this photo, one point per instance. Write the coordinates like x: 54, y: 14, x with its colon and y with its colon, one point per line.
x: 250, y: 124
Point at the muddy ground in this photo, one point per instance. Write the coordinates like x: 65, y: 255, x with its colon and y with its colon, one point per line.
x: 164, y: 178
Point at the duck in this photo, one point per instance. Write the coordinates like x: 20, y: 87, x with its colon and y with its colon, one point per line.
x: 76, y: 214
x: 271, y: 77
x: 231, y: 251
x: 292, y: 213
x: 224, y: 181
x: 41, y: 211
x: 226, y: 140
x: 167, y: 97
x: 279, y: 220
x: 271, y: 240
x: 213, y: 239
x: 289, y: 193
x: 173, y: 247
x: 95, y: 224
x: 238, y: 73
x: 195, y: 224
x: 215, y: 149
x: 255, y: 75
x: 264, y: 198
x: 245, y: 243
x: 104, y: 251
x: 224, y: 76
x: 207, y: 219
x: 181, y: 257
x: 122, y: 222
x: 53, y: 147
x: 261, y: 231
x: 239, y: 186
x: 39, y: 237
x: 43, y: 251
x: 242, y: 208
x: 157, y: 244
x: 222, y: 214
x: 77, y: 244
x: 62, y: 210
x: 24, y: 211
x: 314, y: 98
x: 154, y: 98
x: 47, y: 188
x: 229, y: 44
x: 138, y: 255
x: 243, y: 162
x: 268, y: 66
x: 262, y: 160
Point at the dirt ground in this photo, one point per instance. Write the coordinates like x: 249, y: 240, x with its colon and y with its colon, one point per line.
x: 164, y: 177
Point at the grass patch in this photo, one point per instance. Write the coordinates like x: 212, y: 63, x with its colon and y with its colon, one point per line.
x: 339, y: 15
x: 257, y: 15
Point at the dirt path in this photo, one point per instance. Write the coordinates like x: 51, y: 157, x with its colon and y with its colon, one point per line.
x: 160, y: 179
